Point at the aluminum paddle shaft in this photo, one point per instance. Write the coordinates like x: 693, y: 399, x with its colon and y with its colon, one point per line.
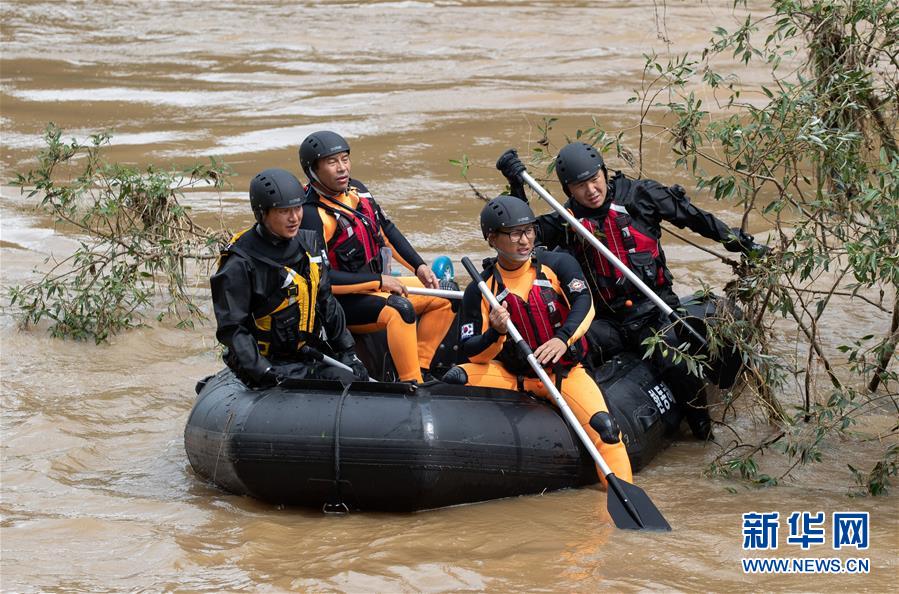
x: 608, y: 255
x: 444, y: 293
x: 331, y: 361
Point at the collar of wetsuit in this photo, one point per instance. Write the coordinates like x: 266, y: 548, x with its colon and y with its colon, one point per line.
x: 270, y: 238
x: 515, y: 272
x: 582, y: 212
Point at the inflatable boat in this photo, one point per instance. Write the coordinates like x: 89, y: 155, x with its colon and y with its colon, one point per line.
x: 407, y: 447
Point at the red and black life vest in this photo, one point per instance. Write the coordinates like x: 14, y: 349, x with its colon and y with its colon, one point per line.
x: 640, y: 252
x: 357, y: 242
x: 537, y: 319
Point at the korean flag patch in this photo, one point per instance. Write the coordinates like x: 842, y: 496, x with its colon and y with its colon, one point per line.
x: 467, y: 330
x: 576, y: 285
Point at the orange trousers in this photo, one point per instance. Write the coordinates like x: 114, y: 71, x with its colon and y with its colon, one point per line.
x: 579, y: 391
x: 411, y: 347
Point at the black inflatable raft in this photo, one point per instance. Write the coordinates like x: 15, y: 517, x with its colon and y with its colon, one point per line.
x: 401, y: 447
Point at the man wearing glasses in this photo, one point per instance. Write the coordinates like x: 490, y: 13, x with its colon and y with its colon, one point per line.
x: 546, y: 296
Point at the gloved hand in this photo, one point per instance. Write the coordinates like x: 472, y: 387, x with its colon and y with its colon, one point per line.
x: 350, y: 359
x: 745, y: 243
x: 273, y: 375
x: 264, y: 379
x: 511, y: 167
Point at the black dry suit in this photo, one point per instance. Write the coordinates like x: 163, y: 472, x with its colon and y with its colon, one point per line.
x: 629, y: 223
x: 636, y: 209
x: 271, y: 297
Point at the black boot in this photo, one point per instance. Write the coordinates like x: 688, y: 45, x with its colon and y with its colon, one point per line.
x: 689, y: 392
x: 456, y: 375
x: 700, y: 423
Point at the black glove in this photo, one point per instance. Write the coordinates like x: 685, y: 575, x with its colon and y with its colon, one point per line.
x: 745, y: 243
x: 350, y: 359
x: 266, y: 379
x: 511, y: 167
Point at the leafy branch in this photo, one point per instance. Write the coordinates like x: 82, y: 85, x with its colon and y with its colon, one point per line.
x: 136, y: 239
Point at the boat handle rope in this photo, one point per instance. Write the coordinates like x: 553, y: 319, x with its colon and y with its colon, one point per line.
x: 337, y: 505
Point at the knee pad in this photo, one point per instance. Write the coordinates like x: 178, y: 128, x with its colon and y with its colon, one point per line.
x: 607, y: 427
x: 456, y: 375
x: 404, y: 306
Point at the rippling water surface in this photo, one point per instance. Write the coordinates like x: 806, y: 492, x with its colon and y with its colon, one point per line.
x: 97, y: 493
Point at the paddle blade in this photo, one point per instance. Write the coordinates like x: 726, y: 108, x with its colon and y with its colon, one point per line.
x: 631, y: 508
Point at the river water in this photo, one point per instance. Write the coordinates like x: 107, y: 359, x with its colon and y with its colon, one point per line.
x: 97, y: 493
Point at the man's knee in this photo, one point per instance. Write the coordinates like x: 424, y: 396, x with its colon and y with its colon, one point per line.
x: 332, y: 373
x: 607, y: 427
x: 456, y: 375
x: 403, y: 306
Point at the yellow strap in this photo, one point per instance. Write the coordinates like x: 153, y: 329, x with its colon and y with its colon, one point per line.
x: 224, y: 252
x: 300, y: 292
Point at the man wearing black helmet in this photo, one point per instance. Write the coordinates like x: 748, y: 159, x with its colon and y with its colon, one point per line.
x: 360, y: 240
x: 272, y: 297
x: 545, y: 295
x: 626, y: 216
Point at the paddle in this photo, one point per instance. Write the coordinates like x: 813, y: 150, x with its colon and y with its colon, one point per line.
x: 629, y: 506
x: 320, y: 356
x: 445, y: 293
x: 608, y: 255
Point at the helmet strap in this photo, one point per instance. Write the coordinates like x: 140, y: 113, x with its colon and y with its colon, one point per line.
x: 321, y: 188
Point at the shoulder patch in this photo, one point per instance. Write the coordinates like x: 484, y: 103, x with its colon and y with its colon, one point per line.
x: 577, y: 285
x: 467, y: 330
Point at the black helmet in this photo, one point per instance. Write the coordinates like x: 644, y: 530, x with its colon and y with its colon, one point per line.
x: 275, y: 188
x: 578, y: 162
x: 319, y: 145
x: 504, y: 212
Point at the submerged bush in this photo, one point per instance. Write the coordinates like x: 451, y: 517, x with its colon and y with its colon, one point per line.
x: 135, y: 239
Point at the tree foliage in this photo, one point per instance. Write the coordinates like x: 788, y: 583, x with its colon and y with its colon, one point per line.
x: 135, y: 240
x: 814, y: 152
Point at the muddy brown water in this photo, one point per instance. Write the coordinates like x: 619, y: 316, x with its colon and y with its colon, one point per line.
x: 97, y: 494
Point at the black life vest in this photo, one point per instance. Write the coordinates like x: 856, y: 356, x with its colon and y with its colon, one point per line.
x: 639, y: 251
x: 286, y: 320
x: 537, y: 319
x: 357, y: 242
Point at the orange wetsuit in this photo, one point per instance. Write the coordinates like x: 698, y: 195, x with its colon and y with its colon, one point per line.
x: 357, y: 233
x: 496, y: 364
